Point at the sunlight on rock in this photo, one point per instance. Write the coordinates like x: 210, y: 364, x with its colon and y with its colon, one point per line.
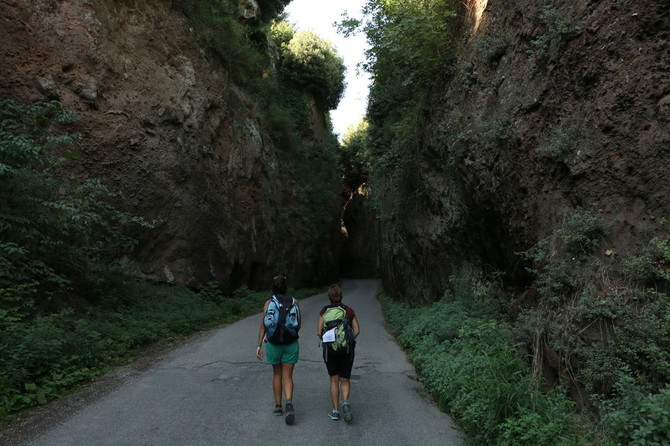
x: 475, y: 11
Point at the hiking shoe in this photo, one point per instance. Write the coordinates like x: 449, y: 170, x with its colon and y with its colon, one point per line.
x: 334, y: 415
x: 346, y: 410
x: 278, y: 410
x: 290, y: 416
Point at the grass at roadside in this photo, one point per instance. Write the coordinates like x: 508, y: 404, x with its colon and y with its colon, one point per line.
x: 464, y: 353
x: 48, y: 355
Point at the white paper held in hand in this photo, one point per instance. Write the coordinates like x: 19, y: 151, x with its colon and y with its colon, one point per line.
x: 329, y: 336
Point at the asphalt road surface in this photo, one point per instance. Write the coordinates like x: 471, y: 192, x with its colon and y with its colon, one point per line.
x: 214, y: 391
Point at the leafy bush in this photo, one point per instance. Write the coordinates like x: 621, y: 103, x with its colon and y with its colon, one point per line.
x: 582, y: 231
x: 284, y: 110
x: 46, y: 355
x: 281, y: 33
x: 637, y: 418
x: 243, y: 50
x: 641, y: 349
x: 412, y: 44
x: 554, y: 260
x: 561, y: 145
x: 304, y: 62
x: 463, y: 351
x: 652, y: 264
x: 315, y: 170
x: 270, y: 9
x: 353, y: 156
x: 558, y: 27
x: 312, y: 63
x: 55, y: 231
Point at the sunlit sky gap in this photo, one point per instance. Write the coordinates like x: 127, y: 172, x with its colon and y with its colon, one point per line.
x: 318, y: 16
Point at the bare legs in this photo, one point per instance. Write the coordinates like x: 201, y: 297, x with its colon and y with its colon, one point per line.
x: 338, y: 384
x: 282, y: 379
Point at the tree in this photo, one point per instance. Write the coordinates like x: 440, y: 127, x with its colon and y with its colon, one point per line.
x: 312, y: 63
x: 272, y: 8
x: 53, y: 230
x: 353, y: 156
x: 412, y: 44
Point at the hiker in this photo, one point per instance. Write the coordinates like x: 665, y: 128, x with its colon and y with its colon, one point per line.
x: 338, y: 328
x: 279, y: 332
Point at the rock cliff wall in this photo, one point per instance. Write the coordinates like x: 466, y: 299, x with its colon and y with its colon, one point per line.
x: 164, y: 125
x: 552, y: 106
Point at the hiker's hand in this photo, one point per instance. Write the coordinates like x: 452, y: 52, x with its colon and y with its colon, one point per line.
x: 259, y: 353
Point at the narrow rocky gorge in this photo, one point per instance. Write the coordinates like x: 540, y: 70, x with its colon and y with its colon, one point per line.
x: 550, y: 111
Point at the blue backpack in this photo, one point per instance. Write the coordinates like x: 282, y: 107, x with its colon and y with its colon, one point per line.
x: 282, y: 320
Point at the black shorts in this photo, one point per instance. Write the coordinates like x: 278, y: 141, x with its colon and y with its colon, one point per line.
x: 339, y: 364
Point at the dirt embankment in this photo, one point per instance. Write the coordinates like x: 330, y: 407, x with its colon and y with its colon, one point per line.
x: 164, y: 125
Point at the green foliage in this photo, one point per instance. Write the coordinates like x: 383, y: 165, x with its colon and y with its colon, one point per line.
x: 629, y: 374
x: 48, y: 354
x: 353, y: 156
x: 315, y: 170
x: 620, y: 337
x: 281, y: 33
x: 582, y: 231
x: 243, y: 50
x: 559, y: 26
x: 55, y: 231
x: 641, y: 348
x: 270, y: 9
x: 305, y: 63
x: 284, y: 109
x: 412, y: 44
x: 465, y: 356
x: 561, y: 145
x: 312, y: 63
x: 554, y: 260
x: 409, y: 40
x: 652, y: 264
x: 637, y: 418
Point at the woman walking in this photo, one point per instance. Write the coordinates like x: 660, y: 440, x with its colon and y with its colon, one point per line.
x: 338, y: 328
x: 279, y: 332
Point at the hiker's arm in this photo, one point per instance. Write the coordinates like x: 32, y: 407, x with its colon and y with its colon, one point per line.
x: 261, y: 333
x: 319, y: 327
x: 354, y: 324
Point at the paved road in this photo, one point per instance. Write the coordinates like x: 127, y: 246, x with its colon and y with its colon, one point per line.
x: 215, y: 392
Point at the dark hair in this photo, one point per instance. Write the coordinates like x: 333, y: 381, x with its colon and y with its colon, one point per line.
x: 335, y: 294
x: 279, y: 285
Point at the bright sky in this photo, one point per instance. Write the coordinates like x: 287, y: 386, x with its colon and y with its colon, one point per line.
x: 319, y: 16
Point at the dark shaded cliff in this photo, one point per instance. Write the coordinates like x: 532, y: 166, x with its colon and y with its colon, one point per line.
x: 164, y: 124
x: 540, y: 164
x: 549, y: 108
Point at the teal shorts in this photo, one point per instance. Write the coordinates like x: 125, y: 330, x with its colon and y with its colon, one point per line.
x: 278, y: 353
